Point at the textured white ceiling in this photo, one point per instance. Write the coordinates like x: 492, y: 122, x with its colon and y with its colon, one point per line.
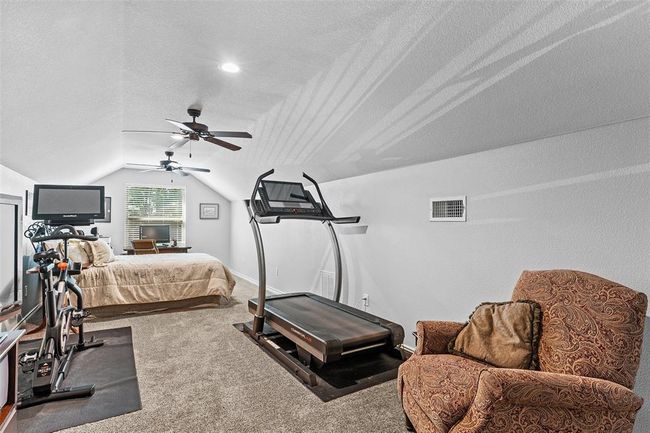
x: 332, y: 88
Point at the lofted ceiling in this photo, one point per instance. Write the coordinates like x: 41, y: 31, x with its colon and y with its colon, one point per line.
x: 334, y: 88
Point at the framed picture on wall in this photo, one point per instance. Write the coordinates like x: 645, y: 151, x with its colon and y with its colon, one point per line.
x: 209, y: 211
x: 107, y: 211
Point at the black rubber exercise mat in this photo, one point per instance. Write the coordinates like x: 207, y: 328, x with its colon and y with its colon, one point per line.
x: 110, y: 367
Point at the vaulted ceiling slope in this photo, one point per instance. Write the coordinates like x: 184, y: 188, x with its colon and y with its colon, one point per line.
x: 333, y: 88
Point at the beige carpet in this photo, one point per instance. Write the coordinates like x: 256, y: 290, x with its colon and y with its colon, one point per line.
x: 197, y: 373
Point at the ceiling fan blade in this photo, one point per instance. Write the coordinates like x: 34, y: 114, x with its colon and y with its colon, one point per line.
x: 151, y: 169
x: 202, y: 170
x: 234, y: 134
x: 142, y: 165
x: 222, y: 143
x: 178, y: 143
x: 180, y: 125
x: 181, y: 172
x: 154, y: 132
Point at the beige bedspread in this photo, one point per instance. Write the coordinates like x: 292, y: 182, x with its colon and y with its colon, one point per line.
x: 155, y: 278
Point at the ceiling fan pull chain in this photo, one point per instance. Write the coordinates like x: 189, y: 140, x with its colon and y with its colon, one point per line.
x: 190, y: 148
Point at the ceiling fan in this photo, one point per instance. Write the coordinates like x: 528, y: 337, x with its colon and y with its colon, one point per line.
x: 194, y: 131
x: 169, y: 166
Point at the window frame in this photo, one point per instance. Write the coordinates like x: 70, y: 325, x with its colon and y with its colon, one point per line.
x: 128, y: 227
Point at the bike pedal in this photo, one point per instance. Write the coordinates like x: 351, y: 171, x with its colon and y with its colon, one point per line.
x: 78, y: 317
x: 28, y: 357
x: 27, y: 361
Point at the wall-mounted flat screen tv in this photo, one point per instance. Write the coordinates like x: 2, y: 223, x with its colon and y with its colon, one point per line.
x: 68, y: 204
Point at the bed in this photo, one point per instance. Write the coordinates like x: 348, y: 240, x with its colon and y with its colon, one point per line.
x: 141, y: 283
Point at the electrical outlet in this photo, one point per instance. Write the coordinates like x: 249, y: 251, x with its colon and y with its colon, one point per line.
x: 366, y: 299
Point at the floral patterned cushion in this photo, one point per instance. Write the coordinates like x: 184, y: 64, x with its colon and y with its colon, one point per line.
x: 442, y: 387
x: 590, y: 326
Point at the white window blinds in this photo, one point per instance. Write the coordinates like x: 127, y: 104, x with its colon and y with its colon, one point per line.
x: 152, y: 204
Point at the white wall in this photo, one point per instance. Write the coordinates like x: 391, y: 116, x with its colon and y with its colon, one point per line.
x: 577, y: 201
x: 14, y: 183
x: 204, y: 236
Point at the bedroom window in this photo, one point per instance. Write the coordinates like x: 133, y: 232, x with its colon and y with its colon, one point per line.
x: 152, y: 204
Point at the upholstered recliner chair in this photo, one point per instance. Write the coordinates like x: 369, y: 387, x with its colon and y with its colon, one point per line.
x: 589, y: 354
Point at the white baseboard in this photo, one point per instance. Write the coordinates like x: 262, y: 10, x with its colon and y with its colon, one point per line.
x: 255, y: 282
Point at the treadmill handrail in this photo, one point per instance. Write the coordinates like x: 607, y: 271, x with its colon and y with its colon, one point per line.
x: 346, y: 220
x: 253, y: 202
x: 326, y: 208
x: 275, y: 219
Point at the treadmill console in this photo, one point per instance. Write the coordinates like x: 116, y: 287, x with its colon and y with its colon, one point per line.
x: 287, y: 198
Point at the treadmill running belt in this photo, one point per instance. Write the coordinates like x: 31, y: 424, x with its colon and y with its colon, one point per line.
x: 319, y: 318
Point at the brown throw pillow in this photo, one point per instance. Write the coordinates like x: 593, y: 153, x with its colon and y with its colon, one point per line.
x: 504, y: 334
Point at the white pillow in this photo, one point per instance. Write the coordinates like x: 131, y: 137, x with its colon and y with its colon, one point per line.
x: 76, y: 252
x: 102, y: 254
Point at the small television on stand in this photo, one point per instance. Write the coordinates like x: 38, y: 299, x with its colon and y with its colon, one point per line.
x: 76, y: 205
x: 160, y: 233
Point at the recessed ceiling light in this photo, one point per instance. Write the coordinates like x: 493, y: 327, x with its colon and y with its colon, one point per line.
x: 230, y: 67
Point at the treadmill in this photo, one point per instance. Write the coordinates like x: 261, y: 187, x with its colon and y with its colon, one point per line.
x: 322, y: 330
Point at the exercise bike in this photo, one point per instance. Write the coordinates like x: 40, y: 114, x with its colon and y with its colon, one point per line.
x: 49, y: 364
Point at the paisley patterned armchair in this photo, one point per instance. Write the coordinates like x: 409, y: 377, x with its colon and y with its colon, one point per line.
x: 589, y: 354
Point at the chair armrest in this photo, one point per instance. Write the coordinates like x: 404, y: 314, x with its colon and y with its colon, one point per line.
x: 433, y: 336
x: 516, y: 399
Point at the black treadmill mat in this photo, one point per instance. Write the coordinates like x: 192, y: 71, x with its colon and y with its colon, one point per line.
x: 351, y: 374
x: 110, y: 367
x: 319, y: 318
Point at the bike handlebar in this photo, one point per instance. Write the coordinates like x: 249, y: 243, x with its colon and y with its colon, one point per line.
x: 57, y: 234
x: 49, y: 254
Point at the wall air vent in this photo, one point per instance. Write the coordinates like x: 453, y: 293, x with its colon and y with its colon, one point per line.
x: 327, y: 284
x: 448, y: 209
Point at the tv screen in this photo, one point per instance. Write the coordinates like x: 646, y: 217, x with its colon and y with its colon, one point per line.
x: 11, y: 251
x: 159, y: 233
x: 285, y: 191
x: 68, y: 203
